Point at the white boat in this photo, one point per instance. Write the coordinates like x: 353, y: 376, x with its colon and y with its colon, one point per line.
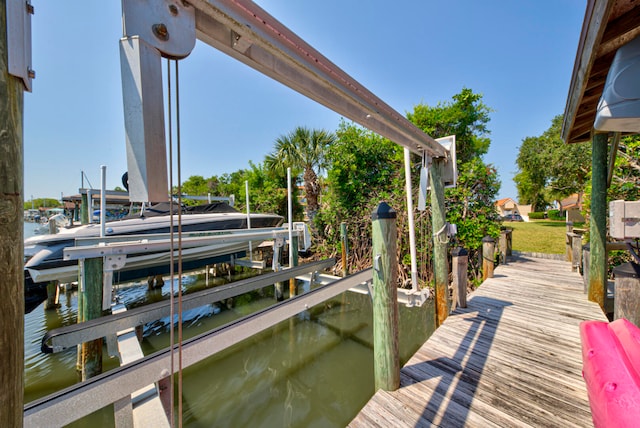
x: 44, y: 253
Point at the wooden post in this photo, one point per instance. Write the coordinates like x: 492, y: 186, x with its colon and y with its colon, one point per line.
x: 626, y: 302
x: 84, y: 209
x: 488, y: 251
x: 459, y: 263
x: 502, y: 245
x: 598, y: 220
x: 11, y: 238
x: 576, y: 252
x: 438, y: 220
x: 345, y: 248
x: 91, y: 287
x: 585, y: 266
x: 386, y: 357
x: 568, y: 245
x: 294, y: 262
x: 53, y: 293
x: 509, y: 242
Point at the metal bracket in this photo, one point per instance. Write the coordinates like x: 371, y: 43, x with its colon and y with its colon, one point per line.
x: 19, y: 40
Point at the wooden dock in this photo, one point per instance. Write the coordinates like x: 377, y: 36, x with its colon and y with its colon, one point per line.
x: 512, y: 358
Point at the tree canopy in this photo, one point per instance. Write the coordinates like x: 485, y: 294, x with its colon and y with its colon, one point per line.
x: 549, y: 169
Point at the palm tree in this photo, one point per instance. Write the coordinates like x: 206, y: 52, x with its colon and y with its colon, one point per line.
x: 303, y: 149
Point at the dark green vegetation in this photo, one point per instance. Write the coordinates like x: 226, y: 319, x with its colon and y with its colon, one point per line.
x: 363, y: 169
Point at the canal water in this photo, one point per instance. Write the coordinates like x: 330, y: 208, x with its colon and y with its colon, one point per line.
x: 313, y: 370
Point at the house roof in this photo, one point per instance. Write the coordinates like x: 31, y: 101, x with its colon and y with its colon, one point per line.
x: 570, y: 202
x: 607, y: 25
x: 504, y: 201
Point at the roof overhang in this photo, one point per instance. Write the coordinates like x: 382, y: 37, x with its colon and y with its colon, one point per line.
x: 607, y: 25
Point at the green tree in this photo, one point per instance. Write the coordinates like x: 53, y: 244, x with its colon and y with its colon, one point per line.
x: 549, y: 169
x: 303, y: 150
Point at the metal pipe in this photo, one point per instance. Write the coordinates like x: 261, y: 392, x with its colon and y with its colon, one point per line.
x: 290, y: 214
x: 412, y: 227
x: 246, y: 191
x: 103, y: 199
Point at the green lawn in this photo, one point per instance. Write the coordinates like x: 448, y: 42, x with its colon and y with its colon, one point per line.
x: 540, y: 236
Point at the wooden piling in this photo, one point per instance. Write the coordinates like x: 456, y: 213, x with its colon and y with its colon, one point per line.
x: 53, y: 294
x: 84, y: 209
x: 488, y: 251
x: 11, y: 238
x: 344, y: 240
x: 293, y: 258
x: 626, y: 302
x: 385, y: 299
x: 91, y: 288
x: 576, y: 252
x: 502, y: 246
x: 598, y: 220
x: 568, y: 242
x: 459, y: 263
x: 438, y: 220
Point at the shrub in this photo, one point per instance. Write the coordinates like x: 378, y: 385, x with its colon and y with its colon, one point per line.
x: 555, y: 215
x: 536, y: 215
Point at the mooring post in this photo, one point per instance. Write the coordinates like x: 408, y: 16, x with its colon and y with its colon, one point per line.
x: 598, y: 221
x: 293, y: 261
x: 569, y: 242
x: 344, y: 240
x: 91, y: 288
x: 53, y: 294
x: 576, y: 252
x: 586, y: 250
x: 11, y: 238
x: 488, y: 251
x: 84, y: 208
x: 626, y: 302
x: 438, y: 220
x: 459, y: 263
x: 386, y: 359
x: 502, y: 246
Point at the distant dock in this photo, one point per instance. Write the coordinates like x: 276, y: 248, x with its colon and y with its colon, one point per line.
x: 511, y: 358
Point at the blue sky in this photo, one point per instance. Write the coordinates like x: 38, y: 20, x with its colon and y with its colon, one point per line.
x: 518, y: 53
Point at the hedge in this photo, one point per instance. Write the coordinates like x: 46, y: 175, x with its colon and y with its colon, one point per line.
x: 536, y: 215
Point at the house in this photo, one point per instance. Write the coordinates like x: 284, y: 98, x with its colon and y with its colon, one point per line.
x: 506, y: 206
x: 572, y: 206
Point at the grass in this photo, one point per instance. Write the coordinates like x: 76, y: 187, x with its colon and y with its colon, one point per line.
x: 542, y: 236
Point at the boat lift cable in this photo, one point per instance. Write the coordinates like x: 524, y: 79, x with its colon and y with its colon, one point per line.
x: 179, y: 246
x: 172, y: 261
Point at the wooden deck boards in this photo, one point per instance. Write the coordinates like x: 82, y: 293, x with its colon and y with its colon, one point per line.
x: 512, y: 358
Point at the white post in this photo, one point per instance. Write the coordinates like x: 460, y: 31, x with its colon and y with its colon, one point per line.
x: 103, y: 199
x: 246, y: 190
x: 290, y: 212
x: 412, y: 228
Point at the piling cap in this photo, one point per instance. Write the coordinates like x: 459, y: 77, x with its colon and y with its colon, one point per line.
x: 488, y: 239
x: 459, y: 251
x: 383, y: 211
x: 627, y: 270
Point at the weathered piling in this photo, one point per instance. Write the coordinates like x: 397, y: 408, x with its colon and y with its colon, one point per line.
x: 439, y: 222
x: 11, y: 238
x: 293, y: 261
x: 91, y: 289
x: 576, y: 252
x: 385, y: 299
x: 586, y: 250
x: 503, y: 245
x: 459, y: 263
x: 488, y: 251
x: 344, y: 240
x: 626, y: 302
x: 53, y: 295
x: 598, y: 221
x: 568, y: 241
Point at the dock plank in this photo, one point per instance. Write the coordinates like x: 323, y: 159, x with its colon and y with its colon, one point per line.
x: 512, y: 358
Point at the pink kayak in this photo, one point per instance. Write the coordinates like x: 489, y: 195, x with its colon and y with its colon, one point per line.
x: 611, y: 370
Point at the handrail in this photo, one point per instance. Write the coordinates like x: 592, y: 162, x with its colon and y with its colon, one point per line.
x: 62, y: 338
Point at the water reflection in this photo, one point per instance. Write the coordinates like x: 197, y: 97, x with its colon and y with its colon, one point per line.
x: 315, y: 369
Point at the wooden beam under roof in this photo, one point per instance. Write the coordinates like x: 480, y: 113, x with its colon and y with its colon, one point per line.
x: 608, y: 24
